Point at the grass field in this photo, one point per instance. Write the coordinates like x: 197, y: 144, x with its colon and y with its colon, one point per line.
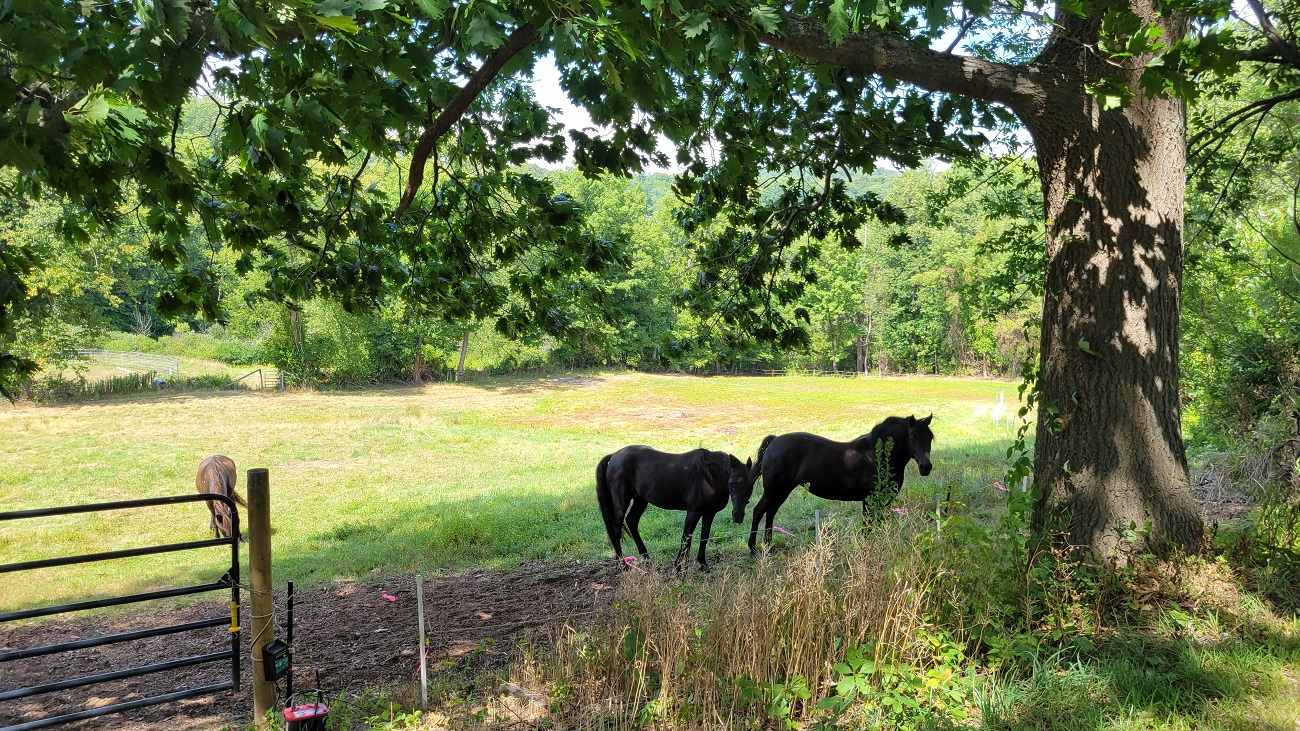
x: 440, y: 477
x: 96, y: 370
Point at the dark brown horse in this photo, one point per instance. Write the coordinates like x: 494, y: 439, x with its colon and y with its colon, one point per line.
x: 217, y: 476
x: 840, y: 470
x: 698, y: 482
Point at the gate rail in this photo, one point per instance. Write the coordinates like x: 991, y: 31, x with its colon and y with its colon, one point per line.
x: 229, y: 581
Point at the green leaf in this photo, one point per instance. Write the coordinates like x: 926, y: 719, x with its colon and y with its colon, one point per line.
x: 483, y: 33
x: 837, y: 22
x: 696, y: 24
x: 338, y: 22
x: 93, y: 108
x: 765, y: 18
x: 434, y: 9
x: 1085, y: 347
x: 128, y: 112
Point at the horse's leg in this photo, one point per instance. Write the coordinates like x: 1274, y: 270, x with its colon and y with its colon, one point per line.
x: 688, y: 532
x: 777, y: 501
x: 634, y: 522
x: 759, y: 509
x: 704, y: 540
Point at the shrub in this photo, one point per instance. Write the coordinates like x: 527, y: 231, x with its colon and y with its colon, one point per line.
x: 238, y: 352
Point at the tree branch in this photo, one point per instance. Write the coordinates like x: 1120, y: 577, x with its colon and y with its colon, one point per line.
x: 873, y: 52
x: 1286, y: 51
x: 522, y: 37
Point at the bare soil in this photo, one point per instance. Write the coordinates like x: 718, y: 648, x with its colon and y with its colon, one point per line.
x: 347, y: 638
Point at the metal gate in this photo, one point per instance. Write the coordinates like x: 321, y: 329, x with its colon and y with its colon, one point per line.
x: 230, y: 581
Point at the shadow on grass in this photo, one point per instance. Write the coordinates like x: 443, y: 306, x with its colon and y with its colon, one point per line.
x: 1147, y: 681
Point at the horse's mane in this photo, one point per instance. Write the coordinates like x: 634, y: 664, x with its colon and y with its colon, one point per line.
x: 716, y: 465
x: 878, y: 431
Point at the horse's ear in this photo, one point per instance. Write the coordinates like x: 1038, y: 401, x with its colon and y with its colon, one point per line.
x: 749, y: 463
x: 926, y: 420
x: 911, y: 419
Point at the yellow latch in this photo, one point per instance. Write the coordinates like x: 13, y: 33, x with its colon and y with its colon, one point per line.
x: 234, y: 617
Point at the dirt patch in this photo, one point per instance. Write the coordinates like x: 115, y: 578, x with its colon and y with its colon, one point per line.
x: 575, y: 381
x: 347, y: 637
x: 1220, y: 499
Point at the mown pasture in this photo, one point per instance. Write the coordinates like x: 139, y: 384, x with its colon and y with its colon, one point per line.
x: 442, y: 477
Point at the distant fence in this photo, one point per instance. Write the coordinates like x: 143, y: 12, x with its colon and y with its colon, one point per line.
x: 265, y: 378
x: 811, y: 372
x: 134, y: 361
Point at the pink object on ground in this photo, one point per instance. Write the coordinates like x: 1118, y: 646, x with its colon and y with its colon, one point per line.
x: 387, y: 596
x: 779, y: 529
x: 630, y: 562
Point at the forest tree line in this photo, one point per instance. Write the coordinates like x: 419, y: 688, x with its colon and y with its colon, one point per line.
x: 950, y: 285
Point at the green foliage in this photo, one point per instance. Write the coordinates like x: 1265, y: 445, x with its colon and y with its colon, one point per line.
x: 1241, y: 328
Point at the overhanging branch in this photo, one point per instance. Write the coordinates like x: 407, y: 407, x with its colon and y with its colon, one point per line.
x: 521, y: 38
x: 872, y: 52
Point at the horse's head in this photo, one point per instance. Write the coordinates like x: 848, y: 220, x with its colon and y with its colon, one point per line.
x: 919, y: 439
x: 740, y: 486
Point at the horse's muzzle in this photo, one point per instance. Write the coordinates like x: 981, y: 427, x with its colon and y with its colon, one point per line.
x: 738, y: 515
x: 924, y: 469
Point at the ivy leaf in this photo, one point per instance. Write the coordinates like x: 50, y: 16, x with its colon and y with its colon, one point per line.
x: 1087, y: 348
x: 837, y: 22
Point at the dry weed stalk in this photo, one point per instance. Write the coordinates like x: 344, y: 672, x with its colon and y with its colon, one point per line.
x: 671, y: 651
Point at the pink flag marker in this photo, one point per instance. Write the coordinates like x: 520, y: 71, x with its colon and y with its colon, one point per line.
x: 386, y: 595
x: 779, y: 529
x: 630, y: 562
x: 1000, y: 486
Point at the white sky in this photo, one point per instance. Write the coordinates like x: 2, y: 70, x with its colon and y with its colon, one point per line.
x: 546, y: 86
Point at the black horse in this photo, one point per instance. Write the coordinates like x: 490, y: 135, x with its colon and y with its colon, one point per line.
x: 840, y: 470
x: 698, y: 482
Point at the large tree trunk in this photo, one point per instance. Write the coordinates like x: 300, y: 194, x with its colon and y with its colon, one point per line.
x: 1109, y: 447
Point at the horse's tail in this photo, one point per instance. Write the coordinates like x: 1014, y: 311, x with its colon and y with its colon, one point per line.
x: 758, y: 461
x: 604, y: 496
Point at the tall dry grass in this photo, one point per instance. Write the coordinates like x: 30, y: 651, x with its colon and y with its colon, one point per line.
x: 676, y: 652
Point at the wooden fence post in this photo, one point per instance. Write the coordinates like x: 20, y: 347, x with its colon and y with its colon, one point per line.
x: 259, y: 579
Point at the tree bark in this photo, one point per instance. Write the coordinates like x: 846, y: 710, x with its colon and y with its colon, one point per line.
x: 1109, y: 448
x: 295, y: 327
x: 417, y: 367
x: 464, y: 350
